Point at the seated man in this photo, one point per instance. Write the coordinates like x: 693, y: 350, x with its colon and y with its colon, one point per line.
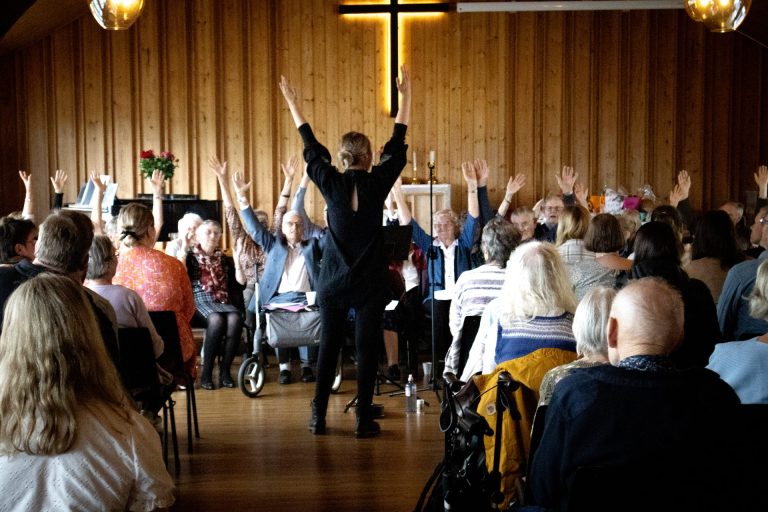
x: 289, y: 273
x: 651, y: 428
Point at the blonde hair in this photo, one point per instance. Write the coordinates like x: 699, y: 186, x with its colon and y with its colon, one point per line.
x: 355, y: 149
x: 573, y: 224
x: 135, y: 220
x: 50, y: 366
x: 536, y: 284
x: 758, y: 297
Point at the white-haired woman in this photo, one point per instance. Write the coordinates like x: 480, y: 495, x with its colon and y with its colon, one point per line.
x: 744, y: 364
x: 68, y: 438
x: 533, y: 311
x: 185, y: 238
x: 589, y: 323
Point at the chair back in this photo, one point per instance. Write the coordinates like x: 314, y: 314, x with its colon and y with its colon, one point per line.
x: 137, y: 364
x: 468, y: 333
x: 171, y: 359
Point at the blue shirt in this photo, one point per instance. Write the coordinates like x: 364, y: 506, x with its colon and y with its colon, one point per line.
x: 733, y: 308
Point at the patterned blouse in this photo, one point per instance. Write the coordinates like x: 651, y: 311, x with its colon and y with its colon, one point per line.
x: 249, y: 258
x: 163, y: 284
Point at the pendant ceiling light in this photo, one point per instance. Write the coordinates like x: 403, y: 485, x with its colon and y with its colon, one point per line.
x: 116, y: 14
x: 718, y: 15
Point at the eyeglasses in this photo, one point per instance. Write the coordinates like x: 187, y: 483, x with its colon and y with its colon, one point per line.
x: 762, y: 220
x: 553, y: 208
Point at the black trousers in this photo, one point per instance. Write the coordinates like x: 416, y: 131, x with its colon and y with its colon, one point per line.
x: 368, y: 334
x: 442, y: 335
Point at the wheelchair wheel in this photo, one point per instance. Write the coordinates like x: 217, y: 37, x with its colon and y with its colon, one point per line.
x: 251, y: 376
x: 339, y: 375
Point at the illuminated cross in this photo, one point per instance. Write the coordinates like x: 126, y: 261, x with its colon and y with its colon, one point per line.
x: 393, y: 8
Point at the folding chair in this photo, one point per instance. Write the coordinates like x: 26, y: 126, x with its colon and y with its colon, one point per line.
x: 173, y: 361
x: 139, y: 370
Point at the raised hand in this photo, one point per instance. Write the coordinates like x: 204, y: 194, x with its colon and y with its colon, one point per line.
x: 567, y: 179
x: 684, y: 182
x: 241, y: 187
x: 289, y: 168
x: 58, y: 181
x: 482, y: 171
x: 26, y: 178
x: 100, y: 185
x: 218, y: 167
x: 404, y: 81
x: 514, y: 185
x: 289, y: 91
x: 468, y: 172
x: 676, y: 195
x: 761, y: 178
x: 157, y: 181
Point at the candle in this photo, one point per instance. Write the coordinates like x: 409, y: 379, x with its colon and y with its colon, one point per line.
x: 432, y: 156
x: 414, y: 160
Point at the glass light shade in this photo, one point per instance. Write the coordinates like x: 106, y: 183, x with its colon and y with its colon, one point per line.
x: 718, y: 15
x: 116, y: 14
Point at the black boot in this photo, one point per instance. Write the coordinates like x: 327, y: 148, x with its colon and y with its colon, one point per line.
x: 225, y: 378
x: 206, y: 378
x: 365, y: 426
x: 317, y: 420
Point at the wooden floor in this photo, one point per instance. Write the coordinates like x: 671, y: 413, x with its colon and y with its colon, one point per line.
x: 257, y: 454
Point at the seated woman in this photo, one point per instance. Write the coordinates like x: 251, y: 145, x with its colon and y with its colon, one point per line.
x: 533, y: 311
x: 160, y: 280
x: 571, y: 229
x: 524, y: 221
x: 715, y: 251
x: 207, y: 270
x: 744, y: 364
x: 657, y: 254
x: 185, y: 236
x: 68, y: 438
x: 605, y: 239
x: 129, y: 308
x: 526, y: 332
x: 589, y: 323
x: 17, y: 240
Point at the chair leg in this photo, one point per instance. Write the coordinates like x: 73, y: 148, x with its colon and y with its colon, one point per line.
x: 189, y: 420
x: 173, y: 435
x: 191, y: 399
x: 164, y: 435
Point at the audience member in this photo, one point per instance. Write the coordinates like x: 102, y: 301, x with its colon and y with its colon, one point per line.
x: 524, y: 221
x: 477, y: 287
x: 526, y: 332
x: 714, y: 251
x: 589, y: 324
x: 159, y: 279
x: 186, y: 227
x: 657, y: 254
x: 534, y: 311
x: 63, y: 243
x: 604, y: 239
x: 735, y: 211
x: 655, y: 430
x: 69, y: 439
x: 208, y: 273
x: 744, y: 364
x: 630, y: 222
x: 553, y: 205
x: 452, y: 248
x: 573, y: 225
x: 17, y: 240
x: 291, y: 271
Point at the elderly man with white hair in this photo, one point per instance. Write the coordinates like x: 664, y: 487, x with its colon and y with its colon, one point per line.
x: 649, y: 429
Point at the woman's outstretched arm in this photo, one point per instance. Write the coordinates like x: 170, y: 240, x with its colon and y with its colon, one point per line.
x: 292, y: 99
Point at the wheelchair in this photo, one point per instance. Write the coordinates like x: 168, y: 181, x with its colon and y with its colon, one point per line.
x: 280, y: 329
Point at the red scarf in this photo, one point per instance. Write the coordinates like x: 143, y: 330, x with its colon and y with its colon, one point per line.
x: 213, y: 279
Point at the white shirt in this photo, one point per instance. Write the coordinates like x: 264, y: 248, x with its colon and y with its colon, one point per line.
x: 295, y: 277
x: 449, y: 270
x: 112, y: 465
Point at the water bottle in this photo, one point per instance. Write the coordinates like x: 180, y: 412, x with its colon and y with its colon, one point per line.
x: 410, y: 395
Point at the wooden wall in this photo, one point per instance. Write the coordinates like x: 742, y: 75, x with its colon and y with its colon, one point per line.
x: 626, y: 98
